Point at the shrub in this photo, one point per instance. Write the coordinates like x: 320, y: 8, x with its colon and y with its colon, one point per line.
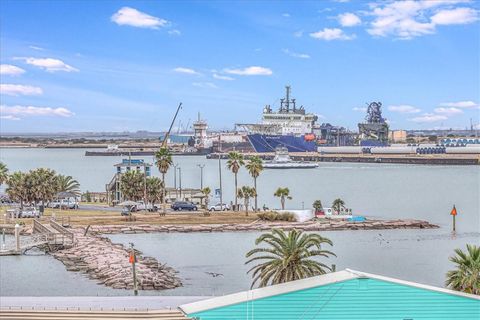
x: 277, y: 216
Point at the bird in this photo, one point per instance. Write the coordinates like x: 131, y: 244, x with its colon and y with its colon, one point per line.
x: 213, y: 274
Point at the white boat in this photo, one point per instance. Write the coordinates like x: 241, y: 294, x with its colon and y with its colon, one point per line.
x: 283, y: 161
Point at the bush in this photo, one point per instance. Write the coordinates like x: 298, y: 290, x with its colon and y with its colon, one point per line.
x: 276, y: 216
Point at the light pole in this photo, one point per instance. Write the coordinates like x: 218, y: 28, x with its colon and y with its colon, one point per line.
x: 180, y: 180
x: 175, y: 179
x: 220, y: 178
x: 201, y: 166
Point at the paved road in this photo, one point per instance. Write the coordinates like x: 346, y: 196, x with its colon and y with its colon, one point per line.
x: 97, y: 303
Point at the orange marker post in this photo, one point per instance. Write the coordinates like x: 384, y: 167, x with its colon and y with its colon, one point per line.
x: 453, y: 213
x: 132, y: 259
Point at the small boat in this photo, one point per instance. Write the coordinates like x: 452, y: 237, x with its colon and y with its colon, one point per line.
x: 283, y: 161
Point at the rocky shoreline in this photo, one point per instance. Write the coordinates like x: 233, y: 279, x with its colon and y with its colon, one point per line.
x: 108, y: 264
x: 321, y: 225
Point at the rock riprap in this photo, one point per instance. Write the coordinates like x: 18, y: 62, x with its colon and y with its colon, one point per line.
x: 108, y: 264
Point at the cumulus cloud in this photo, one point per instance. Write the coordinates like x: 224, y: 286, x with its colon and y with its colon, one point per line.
x: 250, y: 71
x: 185, y: 70
x: 429, y: 117
x: 127, y: 16
x: 220, y: 77
x: 404, y: 109
x: 11, y: 70
x: 296, y: 54
x: 448, y: 111
x: 23, y: 111
x: 206, y: 85
x: 348, y: 19
x: 9, y: 117
x: 329, y: 34
x: 48, y: 64
x: 409, y: 19
x: 286, y: 15
x: 459, y: 104
x: 19, y: 89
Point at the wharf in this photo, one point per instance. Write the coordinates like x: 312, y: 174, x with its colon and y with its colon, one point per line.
x: 430, y: 159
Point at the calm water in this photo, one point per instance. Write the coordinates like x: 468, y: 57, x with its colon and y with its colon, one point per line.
x: 378, y: 190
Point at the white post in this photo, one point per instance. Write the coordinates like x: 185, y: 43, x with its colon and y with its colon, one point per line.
x: 17, y: 237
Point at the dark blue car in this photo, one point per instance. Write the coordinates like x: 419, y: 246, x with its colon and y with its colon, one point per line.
x: 183, y: 205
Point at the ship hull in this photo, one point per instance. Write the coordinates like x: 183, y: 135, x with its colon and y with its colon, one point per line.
x: 268, y: 143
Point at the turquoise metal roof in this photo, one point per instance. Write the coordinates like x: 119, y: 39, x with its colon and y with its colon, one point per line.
x: 354, y: 299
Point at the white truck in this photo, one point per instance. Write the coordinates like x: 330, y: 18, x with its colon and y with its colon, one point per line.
x: 148, y: 207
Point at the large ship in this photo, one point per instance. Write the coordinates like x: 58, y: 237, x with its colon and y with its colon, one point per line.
x: 290, y: 127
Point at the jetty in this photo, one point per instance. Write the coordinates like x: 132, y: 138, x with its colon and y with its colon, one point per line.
x: 52, y: 236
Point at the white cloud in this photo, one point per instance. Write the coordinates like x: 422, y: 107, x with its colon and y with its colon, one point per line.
x: 296, y: 54
x: 127, y: 16
x: 220, y: 77
x: 298, y: 34
x: 404, y: 109
x: 11, y: 70
x: 286, y: 15
x: 19, y: 89
x: 48, y: 64
x: 448, y: 111
x: 331, y: 34
x: 459, y: 104
x: 428, y: 118
x: 174, y: 32
x: 348, y: 19
x: 250, y: 71
x: 21, y: 111
x: 185, y: 70
x: 206, y: 85
x: 341, y: 1
x: 9, y: 117
x: 360, y: 109
x: 455, y: 16
x: 408, y: 19
x: 36, y: 48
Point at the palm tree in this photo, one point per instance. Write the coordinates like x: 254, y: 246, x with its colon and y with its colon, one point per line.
x: 206, y: 192
x: 68, y: 184
x: 3, y: 173
x: 287, y: 257
x: 255, y: 167
x: 163, y: 161
x: 283, y: 194
x: 338, y: 204
x: 466, y: 276
x: 246, y: 193
x: 154, y: 187
x: 17, y: 189
x: 44, y: 185
x: 317, y: 205
x: 234, y: 163
x: 132, y: 185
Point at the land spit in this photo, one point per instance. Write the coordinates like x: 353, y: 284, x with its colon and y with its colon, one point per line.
x: 320, y: 225
x: 108, y: 264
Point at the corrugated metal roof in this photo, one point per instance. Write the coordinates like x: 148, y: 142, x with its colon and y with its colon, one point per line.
x: 341, y: 295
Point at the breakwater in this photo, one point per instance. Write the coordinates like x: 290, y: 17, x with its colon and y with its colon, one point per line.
x: 108, y: 264
x: 321, y: 225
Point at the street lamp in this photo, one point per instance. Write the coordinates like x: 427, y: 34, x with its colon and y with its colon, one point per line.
x: 201, y: 166
x: 180, y: 180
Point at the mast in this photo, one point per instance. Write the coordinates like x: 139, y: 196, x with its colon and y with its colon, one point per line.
x: 287, y: 98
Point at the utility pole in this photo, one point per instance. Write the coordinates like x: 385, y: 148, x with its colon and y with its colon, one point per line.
x: 145, y: 186
x: 133, y: 260
x: 180, y: 180
x: 175, y: 180
x: 220, y: 178
x: 201, y: 166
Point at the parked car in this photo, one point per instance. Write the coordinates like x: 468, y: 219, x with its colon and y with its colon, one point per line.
x: 184, y: 205
x: 149, y: 207
x: 69, y: 203
x: 29, y: 212
x: 219, y: 207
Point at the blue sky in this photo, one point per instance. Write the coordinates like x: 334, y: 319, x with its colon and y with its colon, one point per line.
x: 125, y: 65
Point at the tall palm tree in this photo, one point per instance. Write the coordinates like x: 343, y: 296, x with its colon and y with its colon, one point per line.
x: 163, y: 161
x: 246, y: 193
x: 466, y: 276
x: 44, y: 185
x: 338, y: 204
x: 154, y: 187
x: 287, y: 257
x: 255, y: 167
x: 234, y: 163
x: 283, y: 194
x: 68, y: 184
x: 17, y: 189
x: 132, y: 185
x: 3, y: 173
x: 317, y: 205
